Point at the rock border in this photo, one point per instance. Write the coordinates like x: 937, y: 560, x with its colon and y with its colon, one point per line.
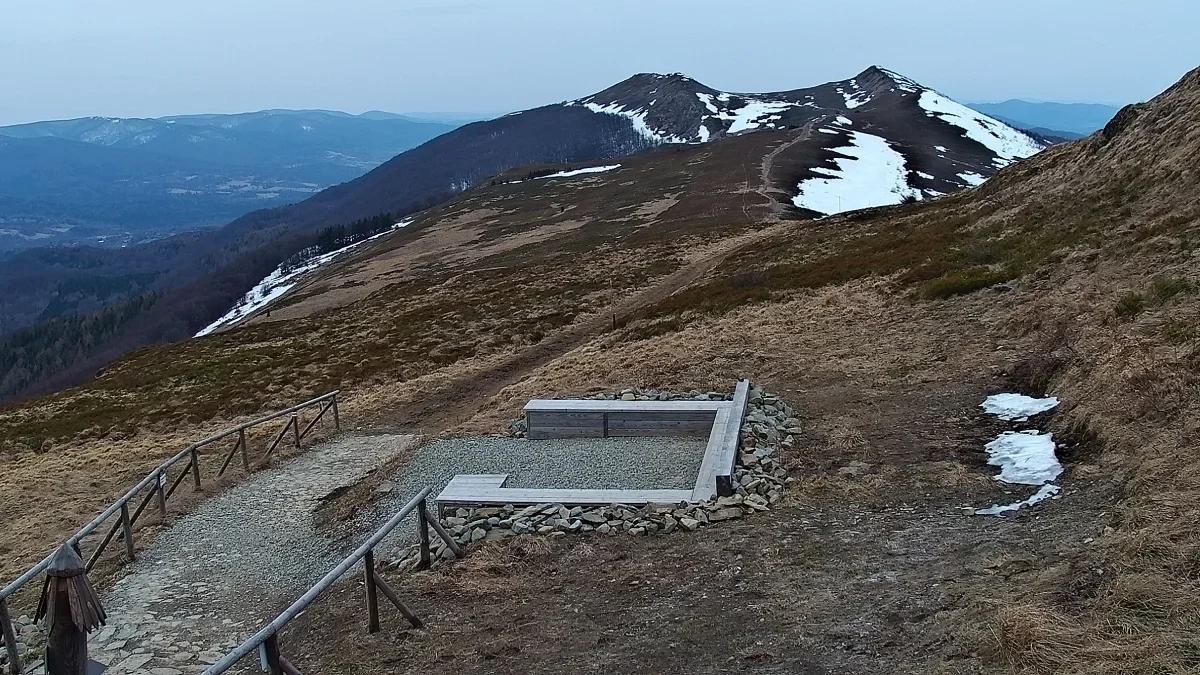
x: 761, y: 479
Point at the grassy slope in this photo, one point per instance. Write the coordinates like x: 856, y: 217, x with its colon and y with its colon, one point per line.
x: 1095, y: 239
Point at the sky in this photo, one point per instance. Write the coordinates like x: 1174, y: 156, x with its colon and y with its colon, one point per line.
x: 147, y: 58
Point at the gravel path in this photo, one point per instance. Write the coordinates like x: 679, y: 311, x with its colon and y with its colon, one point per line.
x: 614, y: 463
x: 220, y: 573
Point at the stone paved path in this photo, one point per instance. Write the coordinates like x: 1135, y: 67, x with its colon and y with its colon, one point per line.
x: 218, y: 574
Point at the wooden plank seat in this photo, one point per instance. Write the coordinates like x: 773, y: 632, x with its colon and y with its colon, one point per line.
x: 480, y: 489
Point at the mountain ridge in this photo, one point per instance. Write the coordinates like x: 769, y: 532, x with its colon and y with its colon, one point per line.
x: 878, y: 123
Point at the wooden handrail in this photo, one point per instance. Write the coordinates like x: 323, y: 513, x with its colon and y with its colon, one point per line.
x: 189, y: 451
x: 268, y: 635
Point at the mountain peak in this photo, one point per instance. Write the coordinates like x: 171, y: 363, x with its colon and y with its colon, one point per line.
x: 877, y: 79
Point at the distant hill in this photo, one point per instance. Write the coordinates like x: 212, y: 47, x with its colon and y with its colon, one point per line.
x: 873, y: 140
x: 1061, y: 119
x: 120, y: 181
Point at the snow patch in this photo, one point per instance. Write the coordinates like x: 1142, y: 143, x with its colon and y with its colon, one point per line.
x: 926, y: 176
x: 1017, y: 407
x: 1024, y: 457
x: 844, y: 121
x: 1045, y: 492
x: 578, y: 172
x: 971, y: 178
x: 1005, y: 142
x: 941, y: 148
x: 638, y: 118
x: 871, y: 173
x: 753, y: 113
x: 275, y: 284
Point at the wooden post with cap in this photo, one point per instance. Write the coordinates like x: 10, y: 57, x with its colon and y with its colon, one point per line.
x: 71, y: 611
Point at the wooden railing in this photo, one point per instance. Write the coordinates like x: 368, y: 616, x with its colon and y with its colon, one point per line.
x: 266, y: 641
x: 159, y: 492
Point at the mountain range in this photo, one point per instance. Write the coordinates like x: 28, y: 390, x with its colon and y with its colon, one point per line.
x: 873, y: 140
x: 121, y: 181
x: 1063, y: 120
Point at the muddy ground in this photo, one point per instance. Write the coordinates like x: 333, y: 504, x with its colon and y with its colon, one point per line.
x: 878, y: 572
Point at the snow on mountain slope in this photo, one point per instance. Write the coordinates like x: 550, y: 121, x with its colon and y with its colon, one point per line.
x: 280, y: 281
x: 1006, y: 142
x: 937, y: 144
x: 869, y: 173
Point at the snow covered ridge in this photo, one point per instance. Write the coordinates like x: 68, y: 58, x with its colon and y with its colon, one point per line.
x: 1005, y: 142
x: 280, y: 281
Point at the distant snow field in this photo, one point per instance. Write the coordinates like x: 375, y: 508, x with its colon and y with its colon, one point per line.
x: 870, y: 173
x: 638, y: 118
x: 579, y: 172
x: 1005, y: 142
x: 280, y: 281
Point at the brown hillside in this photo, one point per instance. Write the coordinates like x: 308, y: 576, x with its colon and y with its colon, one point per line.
x: 1073, y: 273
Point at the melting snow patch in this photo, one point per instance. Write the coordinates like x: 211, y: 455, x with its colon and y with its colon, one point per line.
x: 1004, y: 141
x: 971, y: 178
x: 1045, y: 492
x: 577, y: 172
x: 844, y: 121
x: 825, y: 130
x: 1024, y: 457
x: 941, y: 148
x: 279, y: 282
x: 1017, y: 407
x: 751, y: 115
x: 638, y: 118
x: 924, y: 175
x: 870, y: 174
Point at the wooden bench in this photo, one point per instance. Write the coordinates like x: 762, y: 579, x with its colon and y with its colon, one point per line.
x: 477, y: 489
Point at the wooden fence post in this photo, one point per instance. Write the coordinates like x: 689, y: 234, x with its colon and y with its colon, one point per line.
x: 372, y: 599
x: 336, y: 422
x: 71, y: 611
x: 10, y: 638
x: 160, y: 492
x: 423, y: 531
x: 296, y: 429
x: 195, y: 468
x: 242, y: 443
x: 271, y: 648
x: 127, y: 530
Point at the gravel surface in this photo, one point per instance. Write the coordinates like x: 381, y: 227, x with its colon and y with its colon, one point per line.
x: 220, y: 573
x: 601, y: 463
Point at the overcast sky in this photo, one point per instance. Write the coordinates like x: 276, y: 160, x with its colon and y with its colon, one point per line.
x: 71, y: 58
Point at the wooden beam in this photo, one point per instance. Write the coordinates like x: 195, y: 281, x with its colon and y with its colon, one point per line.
x: 271, y: 649
x: 413, y: 619
x: 372, y: 600
x: 242, y: 445
x: 453, y: 545
x: 10, y: 638
x: 423, y: 532
x: 313, y: 423
x: 195, y: 468
x: 127, y: 530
